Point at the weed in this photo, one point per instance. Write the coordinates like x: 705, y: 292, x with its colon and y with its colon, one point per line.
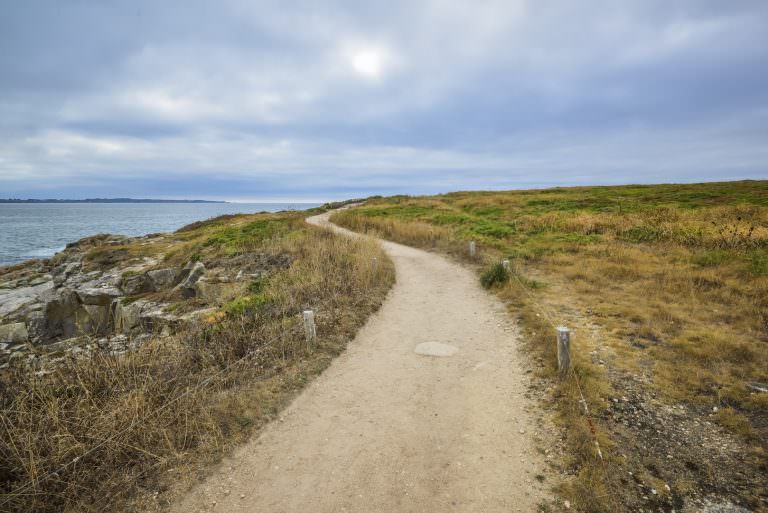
x: 497, y: 274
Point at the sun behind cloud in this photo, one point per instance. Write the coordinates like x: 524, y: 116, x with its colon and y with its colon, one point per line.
x: 368, y: 63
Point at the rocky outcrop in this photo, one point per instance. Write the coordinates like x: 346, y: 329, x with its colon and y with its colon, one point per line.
x: 94, y: 296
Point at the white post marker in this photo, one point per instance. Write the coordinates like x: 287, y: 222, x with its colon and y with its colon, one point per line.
x: 472, y: 249
x: 505, y: 264
x: 563, y: 349
x: 309, y: 328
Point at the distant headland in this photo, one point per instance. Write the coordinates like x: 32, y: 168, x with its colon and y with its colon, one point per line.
x: 104, y: 200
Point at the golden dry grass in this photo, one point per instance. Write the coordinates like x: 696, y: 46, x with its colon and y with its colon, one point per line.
x: 148, y: 418
x: 671, y: 281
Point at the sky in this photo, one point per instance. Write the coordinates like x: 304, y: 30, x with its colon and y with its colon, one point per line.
x: 317, y: 100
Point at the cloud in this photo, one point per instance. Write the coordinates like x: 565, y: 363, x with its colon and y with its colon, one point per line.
x: 300, y: 99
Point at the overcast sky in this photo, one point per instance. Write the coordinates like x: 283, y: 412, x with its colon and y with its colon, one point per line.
x: 254, y: 99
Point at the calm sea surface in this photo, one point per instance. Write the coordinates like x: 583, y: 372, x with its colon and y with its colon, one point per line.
x: 40, y: 230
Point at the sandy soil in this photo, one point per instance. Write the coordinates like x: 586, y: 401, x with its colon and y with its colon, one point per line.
x: 387, y: 429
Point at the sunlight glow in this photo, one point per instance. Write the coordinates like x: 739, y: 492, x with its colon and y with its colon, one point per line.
x: 368, y: 63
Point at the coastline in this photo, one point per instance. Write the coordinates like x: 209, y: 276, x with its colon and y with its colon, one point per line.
x: 32, y: 231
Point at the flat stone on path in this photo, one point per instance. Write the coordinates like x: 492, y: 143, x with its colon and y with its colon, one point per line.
x: 435, y: 349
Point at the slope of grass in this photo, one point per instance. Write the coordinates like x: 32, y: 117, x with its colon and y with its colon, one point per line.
x: 671, y: 278
x: 144, y: 420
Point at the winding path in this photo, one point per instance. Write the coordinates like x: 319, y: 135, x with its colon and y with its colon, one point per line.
x: 387, y: 430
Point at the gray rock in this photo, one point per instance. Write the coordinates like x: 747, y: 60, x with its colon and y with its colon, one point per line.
x: 187, y: 286
x: 40, y: 280
x: 92, y: 319
x: 127, y: 317
x: 98, y: 296
x: 62, y: 272
x: 36, y: 325
x: 157, y: 321
x: 138, y: 284
x: 15, y: 333
x: 62, y: 345
x: 60, y: 314
x: 163, y: 278
x: 13, y: 299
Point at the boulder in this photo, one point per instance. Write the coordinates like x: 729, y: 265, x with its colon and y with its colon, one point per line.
x: 98, y: 296
x: 128, y: 316
x: 60, y: 314
x: 92, y: 319
x: 138, y: 284
x: 156, y: 320
x: 163, y: 278
x: 36, y: 325
x: 13, y: 299
x: 187, y: 286
x: 13, y: 334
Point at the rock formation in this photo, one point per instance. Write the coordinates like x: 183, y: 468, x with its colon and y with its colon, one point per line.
x: 96, y: 295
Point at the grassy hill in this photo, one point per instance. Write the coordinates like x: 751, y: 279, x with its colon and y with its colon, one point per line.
x: 666, y: 288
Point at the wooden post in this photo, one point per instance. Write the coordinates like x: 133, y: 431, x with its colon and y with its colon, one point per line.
x: 472, y: 249
x: 309, y: 328
x: 505, y: 264
x: 375, y: 265
x: 563, y: 350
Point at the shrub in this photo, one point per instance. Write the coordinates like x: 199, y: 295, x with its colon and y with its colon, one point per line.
x: 494, y: 275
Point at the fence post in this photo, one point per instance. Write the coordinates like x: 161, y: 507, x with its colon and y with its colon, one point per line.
x: 563, y: 349
x: 375, y: 265
x: 472, y: 249
x: 309, y: 328
x: 505, y: 264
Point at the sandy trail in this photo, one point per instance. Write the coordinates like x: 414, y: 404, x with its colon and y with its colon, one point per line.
x: 385, y: 429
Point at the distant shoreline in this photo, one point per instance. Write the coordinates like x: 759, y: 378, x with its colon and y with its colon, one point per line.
x: 105, y: 200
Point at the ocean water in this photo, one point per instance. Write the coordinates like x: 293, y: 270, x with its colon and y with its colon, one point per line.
x: 40, y: 230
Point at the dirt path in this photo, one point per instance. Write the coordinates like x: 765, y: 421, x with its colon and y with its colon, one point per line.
x: 385, y: 429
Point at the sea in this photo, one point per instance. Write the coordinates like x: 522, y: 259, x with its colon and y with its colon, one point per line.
x: 40, y: 230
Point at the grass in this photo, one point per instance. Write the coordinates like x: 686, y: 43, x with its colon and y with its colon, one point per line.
x: 149, y: 418
x: 672, y: 279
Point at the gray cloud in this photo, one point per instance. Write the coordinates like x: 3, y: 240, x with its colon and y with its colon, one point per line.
x: 263, y: 100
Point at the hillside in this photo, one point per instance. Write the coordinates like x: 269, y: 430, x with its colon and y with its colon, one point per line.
x: 666, y: 290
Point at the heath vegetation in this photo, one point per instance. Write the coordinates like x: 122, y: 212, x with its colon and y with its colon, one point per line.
x: 666, y: 289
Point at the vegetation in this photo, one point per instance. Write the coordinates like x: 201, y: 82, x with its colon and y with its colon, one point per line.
x: 666, y: 287
x: 104, y: 430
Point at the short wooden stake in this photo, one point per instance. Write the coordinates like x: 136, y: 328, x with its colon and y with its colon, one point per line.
x: 472, y: 249
x: 563, y: 350
x: 309, y: 328
x: 375, y: 265
x: 505, y: 264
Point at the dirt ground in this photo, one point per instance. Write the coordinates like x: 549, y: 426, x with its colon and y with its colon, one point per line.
x: 427, y: 410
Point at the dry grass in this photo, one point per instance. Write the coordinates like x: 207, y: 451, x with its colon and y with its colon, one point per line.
x: 181, y: 401
x: 672, y: 281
